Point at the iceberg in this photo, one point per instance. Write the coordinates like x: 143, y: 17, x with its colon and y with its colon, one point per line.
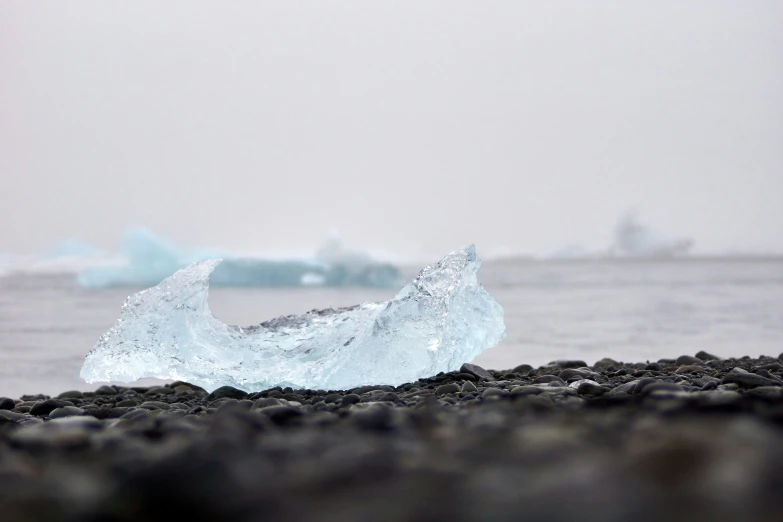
x: 633, y: 239
x: 440, y: 320
x: 151, y: 259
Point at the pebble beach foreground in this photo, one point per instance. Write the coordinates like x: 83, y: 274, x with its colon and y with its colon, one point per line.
x: 695, y: 438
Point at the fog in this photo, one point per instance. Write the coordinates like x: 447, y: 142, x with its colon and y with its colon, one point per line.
x: 414, y: 127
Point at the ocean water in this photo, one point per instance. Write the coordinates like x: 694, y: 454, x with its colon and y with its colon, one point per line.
x: 627, y: 310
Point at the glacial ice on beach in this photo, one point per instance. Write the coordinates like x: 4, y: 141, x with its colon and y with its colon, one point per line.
x: 440, y: 320
x: 151, y: 259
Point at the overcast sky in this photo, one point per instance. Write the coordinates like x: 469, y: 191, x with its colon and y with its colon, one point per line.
x: 408, y: 126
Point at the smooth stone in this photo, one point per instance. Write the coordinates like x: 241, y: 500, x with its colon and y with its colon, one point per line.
x: 720, y: 397
x: 154, y: 405
x: 115, y: 413
x: 748, y: 380
x: 605, y: 363
x: 648, y: 388
x: 78, y: 421
x: 465, y: 377
x: 332, y: 397
x: 376, y: 417
x: 351, y: 398
x: 105, y: 390
x: 48, y: 406
x: 127, y: 403
x: 369, y: 388
x: 545, y: 379
x: 51, y: 435
x: 264, y: 402
x: 225, y: 391
x: 568, y: 363
x: 468, y: 387
x: 281, y: 414
x: 493, y: 392
x: 705, y: 380
x: 766, y: 392
x: 71, y: 394
x: 654, y: 367
x: 7, y: 403
x: 689, y: 368
x: 685, y: 360
x: 12, y: 416
x: 704, y: 356
x: 182, y: 388
x: 522, y: 369
x: 591, y: 388
x: 65, y: 411
x: 235, y: 404
x: 476, y: 371
x: 447, y: 388
x: 521, y: 391
x: 135, y: 415
x: 162, y: 390
x: 570, y: 373
x: 627, y: 388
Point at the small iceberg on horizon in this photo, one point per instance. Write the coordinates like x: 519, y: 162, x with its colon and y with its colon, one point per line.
x: 439, y: 321
x: 634, y: 239
x: 151, y: 259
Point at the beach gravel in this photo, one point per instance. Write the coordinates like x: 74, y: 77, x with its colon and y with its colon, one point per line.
x: 690, y: 438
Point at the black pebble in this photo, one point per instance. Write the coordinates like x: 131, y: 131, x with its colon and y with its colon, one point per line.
x: 281, y: 414
x: 226, y: 391
x: 106, y: 390
x: 567, y: 363
x: 6, y: 403
x: 48, y: 406
x: 477, y: 371
x: 687, y: 360
x: 544, y: 379
x: 349, y: 399
x: 447, y: 388
x: 749, y: 380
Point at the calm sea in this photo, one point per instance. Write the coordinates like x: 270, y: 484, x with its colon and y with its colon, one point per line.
x: 627, y: 310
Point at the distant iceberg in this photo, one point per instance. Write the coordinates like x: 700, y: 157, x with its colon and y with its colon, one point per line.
x: 151, y: 259
x: 440, y: 320
x: 633, y: 239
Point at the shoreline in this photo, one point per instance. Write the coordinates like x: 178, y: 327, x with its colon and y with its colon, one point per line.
x: 693, y: 436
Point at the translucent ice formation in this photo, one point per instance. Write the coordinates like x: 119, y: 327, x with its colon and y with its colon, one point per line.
x: 440, y: 320
x: 151, y: 259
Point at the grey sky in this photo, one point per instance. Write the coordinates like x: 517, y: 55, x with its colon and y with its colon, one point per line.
x: 411, y: 126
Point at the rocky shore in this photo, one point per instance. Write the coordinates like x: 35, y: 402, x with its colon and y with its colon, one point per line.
x: 696, y: 438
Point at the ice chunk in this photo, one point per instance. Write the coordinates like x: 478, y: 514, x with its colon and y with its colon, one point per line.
x: 442, y: 319
x: 151, y: 259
